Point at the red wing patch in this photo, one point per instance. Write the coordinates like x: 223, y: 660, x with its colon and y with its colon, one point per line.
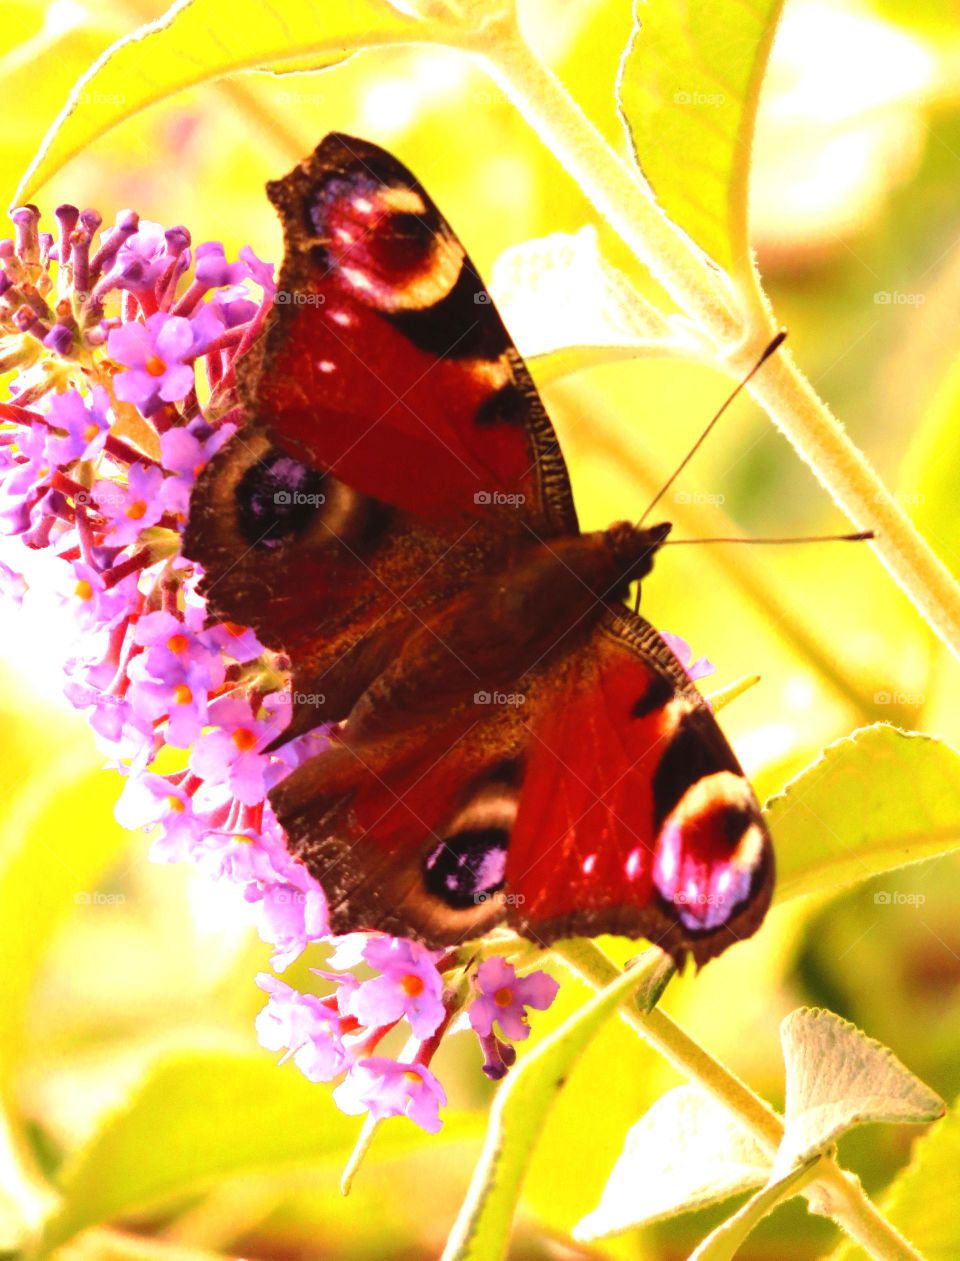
x: 635, y: 816
x: 387, y: 364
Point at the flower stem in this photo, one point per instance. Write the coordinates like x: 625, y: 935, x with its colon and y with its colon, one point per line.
x: 833, y: 1193
x: 736, y: 325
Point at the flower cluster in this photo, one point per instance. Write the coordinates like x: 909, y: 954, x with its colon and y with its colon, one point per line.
x: 123, y: 344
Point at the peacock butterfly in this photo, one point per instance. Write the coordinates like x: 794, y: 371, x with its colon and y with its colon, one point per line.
x: 514, y: 744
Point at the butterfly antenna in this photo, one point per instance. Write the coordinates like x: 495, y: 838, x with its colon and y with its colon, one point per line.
x: 774, y: 345
x: 860, y: 537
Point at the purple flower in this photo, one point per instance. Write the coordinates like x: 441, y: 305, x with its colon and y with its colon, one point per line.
x: 184, y: 452
x: 410, y: 986
x: 91, y: 602
x: 13, y: 586
x: 698, y: 669
x: 212, y: 268
x: 149, y: 800
x: 23, y: 478
x: 182, y: 704
x: 86, y: 426
x: 132, y: 508
x: 504, y: 997
x: 145, y: 253
x: 310, y: 1027
x: 233, y: 306
x: 238, y: 642
x: 159, y: 358
x: 176, y: 646
x: 230, y: 754
x: 261, y: 273
x: 388, y: 1088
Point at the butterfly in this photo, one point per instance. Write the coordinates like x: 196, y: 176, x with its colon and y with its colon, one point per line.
x: 512, y: 744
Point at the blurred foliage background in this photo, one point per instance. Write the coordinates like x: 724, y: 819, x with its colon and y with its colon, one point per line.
x: 128, y: 988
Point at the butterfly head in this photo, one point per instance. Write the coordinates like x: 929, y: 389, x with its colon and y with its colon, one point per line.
x: 634, y: 547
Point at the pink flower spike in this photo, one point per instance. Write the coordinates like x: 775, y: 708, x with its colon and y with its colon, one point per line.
x: 698, y: 669
x: 504, y: 998
x: 388, y: 1088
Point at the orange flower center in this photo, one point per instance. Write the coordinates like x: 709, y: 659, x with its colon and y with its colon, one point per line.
x: 137, y: 510
x: 178, y: 643
x: 244, y: 739
x: 243, y: 840
x: 411, y: 985
x: 503, y: 996
x: 91, y: 432
x: 155, y: 366
x: 176, y: 805
x: 410, y: 1075
x: 83, y: 590
x: 182, y: 694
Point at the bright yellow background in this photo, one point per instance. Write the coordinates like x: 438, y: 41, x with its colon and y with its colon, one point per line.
x: 858, y: 158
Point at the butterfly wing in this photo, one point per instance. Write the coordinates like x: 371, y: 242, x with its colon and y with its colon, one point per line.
x: 388, y: 363
x: 600, y: 798
x: 396, y: 445
x: 635, y: 816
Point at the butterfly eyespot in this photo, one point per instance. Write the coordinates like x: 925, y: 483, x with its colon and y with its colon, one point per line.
x: 709, y: 855
x: 278, y: 497
x: 466, y: 869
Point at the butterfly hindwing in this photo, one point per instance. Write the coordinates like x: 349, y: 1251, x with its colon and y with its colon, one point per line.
x: 635, y: 817
x: 600, y: 798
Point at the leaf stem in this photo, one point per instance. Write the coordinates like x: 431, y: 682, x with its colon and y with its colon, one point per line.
x: 859, y: 1216
x: 736, y: 324
x: 834, y: 1193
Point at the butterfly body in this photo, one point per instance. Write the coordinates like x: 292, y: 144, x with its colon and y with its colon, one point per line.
x: 512, y: 743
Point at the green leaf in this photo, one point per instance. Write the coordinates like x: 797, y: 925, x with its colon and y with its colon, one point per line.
x: 57, y: 839
x: 199, y: 40
x: 922, y: 1201
x: 873, y: 801
x: 723, y: 1243
x: 686, y: 1152
x: 567, y: 308
x: 838, y: 1078
x: 689, y: 85
x: 482, y: 1229
x: 196, y: 1119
